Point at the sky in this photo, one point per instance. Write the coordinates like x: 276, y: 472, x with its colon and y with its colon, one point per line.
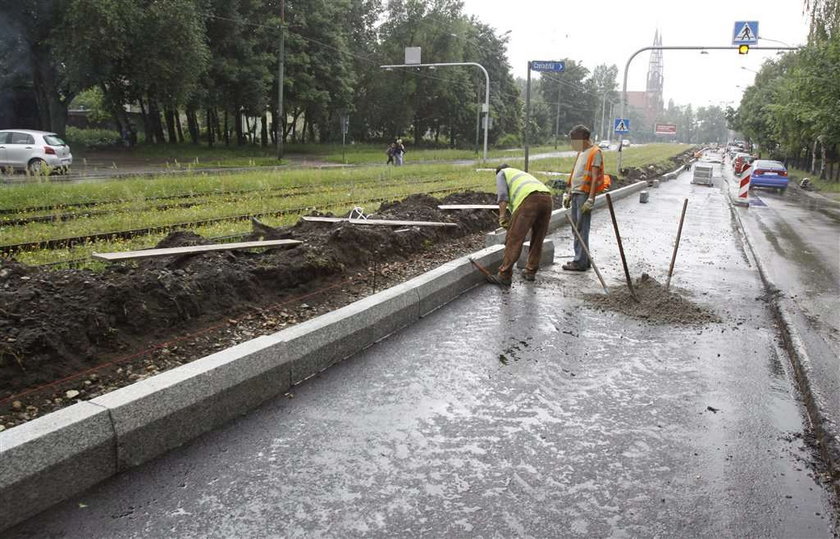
x: 608, y: 31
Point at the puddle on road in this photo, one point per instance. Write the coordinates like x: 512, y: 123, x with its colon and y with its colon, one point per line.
x: 655, y: 304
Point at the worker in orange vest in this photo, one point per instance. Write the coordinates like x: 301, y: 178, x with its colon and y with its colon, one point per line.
x: 586, y: 179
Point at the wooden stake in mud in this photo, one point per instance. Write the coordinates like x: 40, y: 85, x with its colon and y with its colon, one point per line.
x: 586, y: 250
x: 676, y: 245
x: 621, y: 248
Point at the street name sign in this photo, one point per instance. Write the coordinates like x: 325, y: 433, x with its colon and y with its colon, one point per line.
x: 621, y: 126
x: 556, y: 67
x: 745, y: 33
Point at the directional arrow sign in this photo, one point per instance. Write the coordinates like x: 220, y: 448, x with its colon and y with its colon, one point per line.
x: 745, y: 33
x: 621, y: 126
x: 557, y: 67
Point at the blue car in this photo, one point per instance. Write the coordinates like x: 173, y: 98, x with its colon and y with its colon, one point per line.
x: 768, y: 174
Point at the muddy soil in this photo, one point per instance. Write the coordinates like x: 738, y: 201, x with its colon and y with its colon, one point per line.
x: 145, y: 317
x: 653, y: 303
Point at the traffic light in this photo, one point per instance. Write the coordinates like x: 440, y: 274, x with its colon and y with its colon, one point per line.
x: 743, y: 49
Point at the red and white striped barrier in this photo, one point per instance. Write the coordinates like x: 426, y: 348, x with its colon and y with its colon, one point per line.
x: 744, y: 190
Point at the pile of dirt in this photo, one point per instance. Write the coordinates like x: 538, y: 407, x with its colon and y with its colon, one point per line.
x: 653, y: 303
x: 56, y: 323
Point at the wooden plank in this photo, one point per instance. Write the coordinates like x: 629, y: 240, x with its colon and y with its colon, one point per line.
x: 468, y: 207
x: 174, y: 251
x: 373, y: 222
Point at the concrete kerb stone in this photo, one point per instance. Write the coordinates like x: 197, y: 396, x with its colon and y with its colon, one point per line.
x: 441, y: 285
x: 52, y: 458
x: 160, y: 413
x: 316, y: 344
x: 546, y: 257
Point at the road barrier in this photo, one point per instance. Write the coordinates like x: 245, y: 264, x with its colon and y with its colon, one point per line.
x: 744, y: 191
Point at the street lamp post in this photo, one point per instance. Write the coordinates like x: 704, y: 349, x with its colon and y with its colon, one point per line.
x: 486, y: 107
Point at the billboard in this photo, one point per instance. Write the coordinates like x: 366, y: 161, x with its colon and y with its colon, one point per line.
x: 665, y: 129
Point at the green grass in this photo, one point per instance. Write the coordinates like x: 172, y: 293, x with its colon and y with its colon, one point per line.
x: 825, y: 186
x: 130, y: 203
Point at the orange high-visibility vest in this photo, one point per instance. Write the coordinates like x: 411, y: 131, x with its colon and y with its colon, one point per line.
x: 604, y: 180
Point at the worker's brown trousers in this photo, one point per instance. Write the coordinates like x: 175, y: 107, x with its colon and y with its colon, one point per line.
x: 533, y: 214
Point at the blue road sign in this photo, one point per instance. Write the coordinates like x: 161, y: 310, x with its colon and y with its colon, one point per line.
x: 557, y: 67
x: 745, y: 33
x: 621, y: 126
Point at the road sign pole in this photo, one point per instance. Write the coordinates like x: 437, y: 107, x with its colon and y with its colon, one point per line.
x: 527, y: 113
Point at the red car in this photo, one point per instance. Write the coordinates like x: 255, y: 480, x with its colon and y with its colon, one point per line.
x: 743, y: 162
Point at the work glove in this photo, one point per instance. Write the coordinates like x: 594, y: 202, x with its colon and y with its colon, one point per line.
x: 504, y: 222
x: 567, y: 200
x: 587, y: 206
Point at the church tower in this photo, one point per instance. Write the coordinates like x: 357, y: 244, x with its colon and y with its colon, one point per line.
x: 655, y: 77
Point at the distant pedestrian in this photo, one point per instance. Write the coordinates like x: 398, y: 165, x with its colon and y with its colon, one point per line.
x: 399, y: 152
x: 390, y: 152
x: 530, y: 203
x: 586, y: 179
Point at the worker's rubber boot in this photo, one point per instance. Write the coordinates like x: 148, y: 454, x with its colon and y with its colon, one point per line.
x: 499, y: 280
x: 529, y: 276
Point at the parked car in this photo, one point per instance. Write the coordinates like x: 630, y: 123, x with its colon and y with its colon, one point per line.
x: 605, y: 144
x: 711, y: 156
x: 742, y: 162
x: 34, y: 151
x: 625, y: 143
x: 735, y: 156
x: 768, y: 174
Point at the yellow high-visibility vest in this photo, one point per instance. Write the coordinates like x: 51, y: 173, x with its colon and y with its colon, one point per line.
x: 520, y: 184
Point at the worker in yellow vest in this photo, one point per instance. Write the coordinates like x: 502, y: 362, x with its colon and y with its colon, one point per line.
x: 530, y: 204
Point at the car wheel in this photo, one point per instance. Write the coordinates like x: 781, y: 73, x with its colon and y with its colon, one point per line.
x: 36, y: 167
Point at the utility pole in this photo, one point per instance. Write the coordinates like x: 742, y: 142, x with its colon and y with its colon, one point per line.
x: 278, y: 123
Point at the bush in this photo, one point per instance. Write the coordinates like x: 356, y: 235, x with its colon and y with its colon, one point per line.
x: 92, y: 138
x: 508, y: 140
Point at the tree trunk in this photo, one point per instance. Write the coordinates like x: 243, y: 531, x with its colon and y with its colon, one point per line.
x: 169, y: 117
x: 264, y: 132
x: 822, y: 157
x: 148, y: 130
x: 154, y: 120
x: 814, y: 158
x: 52, y: 108
x: 192, y: 125
x: 237, y: 123
x: 210, y: 129
x: 227, y: 129
x: 178, y: 128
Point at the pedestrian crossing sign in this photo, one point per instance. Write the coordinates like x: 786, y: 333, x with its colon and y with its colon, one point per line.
x: 745, y: 33
x: 621, y: 126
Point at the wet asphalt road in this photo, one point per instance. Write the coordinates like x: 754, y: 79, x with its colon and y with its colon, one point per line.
x: 799, y: 243
x: 516, y: 413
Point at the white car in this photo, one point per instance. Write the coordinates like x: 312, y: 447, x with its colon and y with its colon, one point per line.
x: 625, y: 143
x: 35, y: 151
x: 605, y: 144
